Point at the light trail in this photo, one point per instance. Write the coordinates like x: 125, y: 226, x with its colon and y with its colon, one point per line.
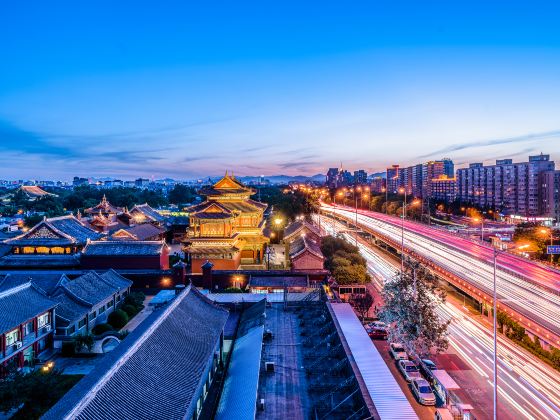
x: 530, y: 387
x: 537, y: 304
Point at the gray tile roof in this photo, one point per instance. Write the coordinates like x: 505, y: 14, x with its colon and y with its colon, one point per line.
x: 77, y: 297
x: 119, y: 248
x: 38, y: 261
x: 56, y: 231
x: 20, y: 304
x: 157, y: 372
x: 144, y: 231
x: 149, y: 212
x: 302, y: 244
x: 44, y: 281
x: 73, y: 227
x: 278, y: 281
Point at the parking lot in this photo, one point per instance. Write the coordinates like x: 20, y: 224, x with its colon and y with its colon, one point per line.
x: 422, y: 411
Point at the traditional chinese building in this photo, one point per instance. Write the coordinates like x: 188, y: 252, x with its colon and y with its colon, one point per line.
x: 227, y: 229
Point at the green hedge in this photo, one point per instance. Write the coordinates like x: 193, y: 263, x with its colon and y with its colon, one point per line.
x: 118, y: 319
x: 102, y: 328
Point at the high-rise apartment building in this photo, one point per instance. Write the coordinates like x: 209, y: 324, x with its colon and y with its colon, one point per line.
x: 360, y: 177
x: 393, y: 179
x: 513, y: 188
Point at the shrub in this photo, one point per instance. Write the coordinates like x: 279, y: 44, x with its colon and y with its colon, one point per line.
x: 68, y: 348
x: 101, y: 328
x: 118, y: 319
x: 130, y: 310
x: 136, y: 299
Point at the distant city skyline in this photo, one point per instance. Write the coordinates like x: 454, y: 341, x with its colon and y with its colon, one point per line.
x: 184, y: 92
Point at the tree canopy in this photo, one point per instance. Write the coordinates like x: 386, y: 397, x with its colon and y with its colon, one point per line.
x: 411, y: 299
x: 344, y: 261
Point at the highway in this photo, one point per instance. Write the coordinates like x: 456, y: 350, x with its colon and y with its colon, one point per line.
x: 525, y: 287
x: 527, y: 387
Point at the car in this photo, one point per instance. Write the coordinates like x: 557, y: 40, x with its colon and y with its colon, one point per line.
x: 426, y: 366
x: 423, y: 391
x: 409, y: 370
x: 397, y: 351
x: 377, y: 333
x: 378, y: 324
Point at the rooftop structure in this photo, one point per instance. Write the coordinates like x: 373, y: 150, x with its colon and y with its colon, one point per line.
x: 382, y: 393
x: 172, y: 358
x: 227, y: 229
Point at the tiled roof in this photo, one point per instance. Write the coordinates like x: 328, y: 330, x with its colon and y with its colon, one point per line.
x: 116, y: 280
x: 157, y: 372
x: 104, y: 206
x: 143, y: 231
x: 43, y: 281
x: 298, y: 226
x: 120, y: 248
x: 21, y: 304
x: 35, y: 191
x: 278, y: 281
x: 240, y: 206
x: 212, y: 250
x: 148, y: 211
x: 302, y: 244
x: 38, y: 261
x: 74, y: 228
x: 78, y: 296
x: 57, y: 231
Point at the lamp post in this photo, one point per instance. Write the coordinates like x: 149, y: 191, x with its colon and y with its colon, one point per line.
x: 495, y: 328
x: 415, y: 202
x: 481, y: 220
x: 544, y: 232
x: 386, y: 197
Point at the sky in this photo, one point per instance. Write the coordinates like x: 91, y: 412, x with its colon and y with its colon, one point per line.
x: 190, y: 89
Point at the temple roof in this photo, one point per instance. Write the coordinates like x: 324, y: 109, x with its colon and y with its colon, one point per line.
x: 77, y: 297
x: 57, y: 231
x: 122, y: 247
x: 227, y: 185
x: 139, y: 232
x: 303, y: 244
x: 105, y: 207
x: 20, y: 304
x: 147, y: 212
x: 39, y: 261
x: 168, y: 356
x: 210, y: 210
x: 34, y: 191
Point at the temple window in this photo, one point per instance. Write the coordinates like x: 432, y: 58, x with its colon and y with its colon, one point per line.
x: 57, y: 250
x: 29, y: 250
x: 12, y: 337
x: 42, y: 250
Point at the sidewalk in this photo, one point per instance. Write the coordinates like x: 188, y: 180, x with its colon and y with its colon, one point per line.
x: 140, y: 316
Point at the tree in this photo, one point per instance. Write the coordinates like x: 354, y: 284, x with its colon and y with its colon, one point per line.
x: 411, y: 299
x: 181, y: 194
x: 34, y: 393
x: 362, y: 303
x: 83, y: 340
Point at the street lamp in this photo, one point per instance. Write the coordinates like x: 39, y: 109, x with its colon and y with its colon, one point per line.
x: 481, y: 220
x: 402, y: 190
x: 386, y: 191
x: 414, y: 203
x: 545, y: 232
x: 495, y: 328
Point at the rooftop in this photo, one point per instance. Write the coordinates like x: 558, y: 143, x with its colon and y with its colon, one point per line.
x: 20, y: 304
x: 120, y: 248
x: 168, y: 355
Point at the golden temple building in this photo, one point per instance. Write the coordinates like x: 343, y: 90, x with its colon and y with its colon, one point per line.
x: 227, y: 229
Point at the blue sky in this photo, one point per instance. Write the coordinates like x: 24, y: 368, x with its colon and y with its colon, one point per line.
x: 186, y: 89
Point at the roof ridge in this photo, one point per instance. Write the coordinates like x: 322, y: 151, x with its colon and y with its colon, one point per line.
x: 79, y: 408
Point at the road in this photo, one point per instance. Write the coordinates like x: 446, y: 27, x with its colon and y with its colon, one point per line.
x: 524, y: 286
x: 527, y: 387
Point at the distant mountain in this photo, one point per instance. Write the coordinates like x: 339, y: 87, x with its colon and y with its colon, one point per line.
x: 377, y: 175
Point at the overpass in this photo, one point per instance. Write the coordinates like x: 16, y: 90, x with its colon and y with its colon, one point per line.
x: 528, y: 292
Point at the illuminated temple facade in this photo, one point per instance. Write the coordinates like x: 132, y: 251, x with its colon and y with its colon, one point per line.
x: 227, y: 229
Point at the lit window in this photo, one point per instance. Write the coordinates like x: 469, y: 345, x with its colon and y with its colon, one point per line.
x: 43, y: 320
x: 12, y: 337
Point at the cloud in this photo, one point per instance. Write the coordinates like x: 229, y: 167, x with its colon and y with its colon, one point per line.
x: 546, y: 135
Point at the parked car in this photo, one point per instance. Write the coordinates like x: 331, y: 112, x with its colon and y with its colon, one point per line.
x: 423, y: 391
x: 397, y: 351
x: 377, y: 333
x: 409, y: 370
x: 378, y: 324
x: 426, y: 366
